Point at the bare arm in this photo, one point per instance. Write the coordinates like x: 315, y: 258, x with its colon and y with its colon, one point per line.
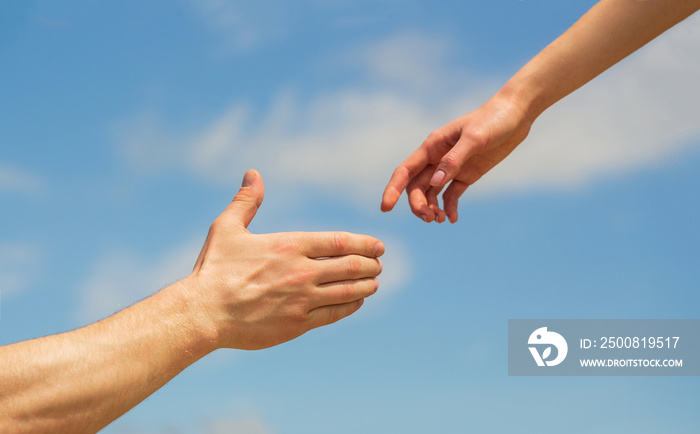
x: 465, y: 149
x: 609, y: 32
x: 246, y: 291
x: 82, y: 380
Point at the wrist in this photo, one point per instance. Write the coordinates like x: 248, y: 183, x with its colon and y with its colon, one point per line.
x: 525, y: 95
x: 199, y: 330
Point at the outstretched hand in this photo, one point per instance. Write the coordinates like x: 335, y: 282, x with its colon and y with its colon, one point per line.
x: 459, y: 153
x: 261, y: 290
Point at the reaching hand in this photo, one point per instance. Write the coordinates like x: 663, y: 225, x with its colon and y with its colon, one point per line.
x: 261, y: 290
x: 462, y: 152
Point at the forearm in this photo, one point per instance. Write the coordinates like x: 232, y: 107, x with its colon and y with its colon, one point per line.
x: 606, y: 34
x: 82, y: 380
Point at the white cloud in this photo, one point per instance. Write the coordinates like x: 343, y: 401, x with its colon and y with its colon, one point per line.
x: 18, y: 180
x: 639, y: 114
x: 148, y: 145
x: 411, y: 60
x: 346, y: 142
x: 18, y: 267
x: 244, y: 25
x: 349, y: 140
x: 396, y: 272
x: 240, y: 424
x: 122, y: 279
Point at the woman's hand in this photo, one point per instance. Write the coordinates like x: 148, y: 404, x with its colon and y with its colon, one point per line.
x: 459, y: 153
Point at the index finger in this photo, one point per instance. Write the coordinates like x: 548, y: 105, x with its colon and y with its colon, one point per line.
x: 328, y: 244
x: 412, y: 166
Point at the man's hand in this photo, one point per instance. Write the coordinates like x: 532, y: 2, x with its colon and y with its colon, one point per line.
x: 462, y: 152
x: 257, y: 291
x: 246, y: 291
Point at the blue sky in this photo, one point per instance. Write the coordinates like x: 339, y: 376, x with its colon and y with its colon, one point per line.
x: 125, y: 129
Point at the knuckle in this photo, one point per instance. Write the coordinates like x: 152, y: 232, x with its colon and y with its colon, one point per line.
x: 478, y: 139
x: 408, y: 172
x: 449, y: 195
x: 288, y: 246
x: 333, y: 315
x: 216, y: 225
x: 301, y: 276
x: 431, y: 197
x: 340, y: 241
x: 437, y: 144
x: 437, y: 136
x: 449, y: 161
x: 244, y: 197
x: 416, y: 207
x: 451, y: 203
x: 401, y: 169
x: 347, y: 291
x: 354, y: 264
x: 301, y: 316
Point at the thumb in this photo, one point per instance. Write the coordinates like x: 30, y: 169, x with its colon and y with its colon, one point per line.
x: 248, y: 199
x: 452, y: 162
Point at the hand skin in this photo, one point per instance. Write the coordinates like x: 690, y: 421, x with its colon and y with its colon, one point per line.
x: 465, y: 149
x: 246, y: 291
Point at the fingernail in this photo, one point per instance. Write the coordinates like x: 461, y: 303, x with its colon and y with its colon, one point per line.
x: 248, y: 178
x: 424, y: 218
x: 378, y: 249
x: 437, y: 178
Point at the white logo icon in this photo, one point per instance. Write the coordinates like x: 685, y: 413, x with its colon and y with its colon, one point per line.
x: 542, y: 337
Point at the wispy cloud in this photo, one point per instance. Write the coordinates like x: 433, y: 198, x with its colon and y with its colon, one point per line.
x: 17, y: 180
x: 243, y: 424
x: 396, y: 273
x: 348, y: 140
x: 408, y: 61
x: 244, y: 25
x: 18, y: 267
x: 640, y: 113
x: 123, y: 278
